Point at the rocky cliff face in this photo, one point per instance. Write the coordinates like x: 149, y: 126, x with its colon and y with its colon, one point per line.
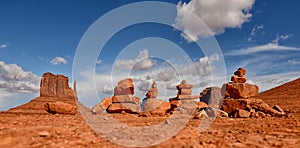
x: 55, y: 86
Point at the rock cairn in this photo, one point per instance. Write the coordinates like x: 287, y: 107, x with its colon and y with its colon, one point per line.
x: 240, y: 99
x: 184, y: 98
x: 152, y: 105
x: 122, y: 101
x: 239, y: 76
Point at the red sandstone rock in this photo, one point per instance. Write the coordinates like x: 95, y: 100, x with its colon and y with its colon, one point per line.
x: 229, y: 106
x: 187, y: 97
x: 125, y: 99
x: 125, y: 81
x: 237, y: 79
x: 55, y: 86
x: 125, y: 89
x: 201, y: 105
x: 239, y: 90
x: 184, y: 86
x: 278, y: 108
x: 240, y: 113
x: 127, y: 107
x: 185, y: 92
x: 152, y: 93
x: 100, y: 107
x: 240, y: 72
x: 156, y: 107
x: 60, y: 108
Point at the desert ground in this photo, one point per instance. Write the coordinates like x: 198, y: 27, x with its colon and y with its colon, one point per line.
x: 30, y: 126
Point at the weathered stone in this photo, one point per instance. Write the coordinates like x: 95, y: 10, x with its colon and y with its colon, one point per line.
x: 187, y: 97
x: 211, y: 96
x: 240, y: 113
x: 125, y: 89
x: 60, y: 108
x: 229, y: 105
x: 237, y: 79
x: 103, y: 105
x: 156, y: 107
x: 55, y: 86
x: 125, y: 81
x: 201, y: 105
x: 125, y: 99
x: 278, y: 108
x: 127, y: 107
x: 260, y: 114
x: 184, y: 86
x: 239, y: 90
x: 240, y: 72
x: 185, y: 92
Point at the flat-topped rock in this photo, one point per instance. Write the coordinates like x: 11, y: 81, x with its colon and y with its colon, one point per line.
x: 53, y: 85
x: 239, y: 90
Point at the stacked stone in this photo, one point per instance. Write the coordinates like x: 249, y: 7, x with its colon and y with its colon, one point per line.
x: 184, y: 97
x: 240, y: 99
x: 153, y: 92
x: 153, y: 106
x: 123, y: 99
x: 239, y: 76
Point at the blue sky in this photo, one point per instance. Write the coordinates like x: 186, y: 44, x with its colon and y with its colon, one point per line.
x: 40, y: 36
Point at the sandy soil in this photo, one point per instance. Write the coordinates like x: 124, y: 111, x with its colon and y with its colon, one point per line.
x: 28, y: 126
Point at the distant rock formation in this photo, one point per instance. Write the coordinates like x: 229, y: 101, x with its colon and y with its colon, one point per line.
x: 56, y: 97
x: 55, y: 86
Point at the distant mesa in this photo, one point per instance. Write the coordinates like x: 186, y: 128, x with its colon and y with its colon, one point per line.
x: 56, y: 97
x: 56, y: 86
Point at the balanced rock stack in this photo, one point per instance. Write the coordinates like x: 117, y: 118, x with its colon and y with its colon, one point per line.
x: 239, y: 76
x: 152, y: 105
x: 184, y: 98
x: 122, y: 101
x: 240, y: 99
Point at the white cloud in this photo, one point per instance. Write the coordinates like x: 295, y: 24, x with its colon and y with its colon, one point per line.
x: 202, y: 67
x: 294, y: 62
x: 281, y: 37
x: 99, y: 61
x: 108, y: 89
x: 14, y: 79
x: 256, y: 31
x: 273, y: 46
x: 141, y: 62
x: 166, y: 75
x: 216, y: 14
x: 266, y: 82
x: 58, y: 61
x: 3, y: 46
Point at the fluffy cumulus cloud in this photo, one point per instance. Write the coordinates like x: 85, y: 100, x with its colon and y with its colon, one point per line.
x: 166, y: 75
x: 14, y: 79
x: 141, y: 62
x: 58, y: 61
x: 216, y: 14
x: 202, y: 67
